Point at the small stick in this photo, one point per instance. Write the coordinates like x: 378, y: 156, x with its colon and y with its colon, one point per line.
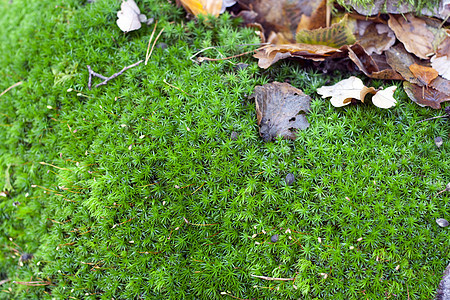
x: 176, y: 88
x: 198, y: 188
x: 11, y: 87
x: 122, y: 223
x: 118, y: 73
x: 47, y: 164
x: 272, y: 278
x: 227, y: 294
x: 201, y: 59
x: 215, y: 47
x: 193, y: 224
x: 429, y: 119
x: 107, y: 79
x: 4, y: 281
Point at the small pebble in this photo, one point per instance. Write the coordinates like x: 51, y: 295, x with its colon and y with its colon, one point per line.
x: 290, y: 179
x: 442, y: 222
x: 274, y: 238
x: 162, y: 46
x: 234, y: 136
x: 438, y: 141
x: 26, y: 257
x: 240, y: 66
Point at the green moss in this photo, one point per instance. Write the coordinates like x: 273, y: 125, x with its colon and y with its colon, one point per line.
x: 112, y: 219
x: 416, y: 5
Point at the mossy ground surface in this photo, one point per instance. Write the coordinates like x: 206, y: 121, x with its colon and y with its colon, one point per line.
x: 127, y: 164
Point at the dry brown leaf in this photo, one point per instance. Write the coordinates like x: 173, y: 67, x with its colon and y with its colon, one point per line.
x: 315, y: 19
x: 425, y: 96
x: 386, y: 72
x: 280, y: 110
x: 400, y: 60
x: 385, y: 98
x: 204, y: 7
x: 282, y: 16
x: 424, y: 74
x: 360, y: 57
x: 375, y: 38
x: 413, y: 33
x: 441, y: 84
x: 366, y: 90
x: 273, y: 53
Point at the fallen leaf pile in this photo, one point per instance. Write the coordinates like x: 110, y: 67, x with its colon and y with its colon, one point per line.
x: 384, y: 40
x: 353, y: 88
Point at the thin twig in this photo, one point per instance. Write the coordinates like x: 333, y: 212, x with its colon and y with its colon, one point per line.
x: 33, y: 283
x: 118, y: 73
x: 429, y: 119
x: 215, y: 47
x: 4, y: 281
x: 272, y: 278
x: 153, y: 46
x: 198, y: 188
x: 176, y: 88
x: 193, y: 224
x: 106, y: 79
x: 47, y: 164
x: 11, y: 87
x: 201, y: 59
x: 149, y: 42
x: 227, y: 294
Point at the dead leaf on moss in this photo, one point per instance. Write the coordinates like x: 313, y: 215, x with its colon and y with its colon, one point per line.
x: 353, y: 88
x: 414, y: 33
x: 342, y: 92
x: 205, y: 7
x: 280, y: 110
x: 425, y: 96
x: 385, y: 98
x: 424, y: 74
x: 271, y: 54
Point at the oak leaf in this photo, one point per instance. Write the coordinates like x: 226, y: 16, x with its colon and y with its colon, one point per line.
x: 353, y: 88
